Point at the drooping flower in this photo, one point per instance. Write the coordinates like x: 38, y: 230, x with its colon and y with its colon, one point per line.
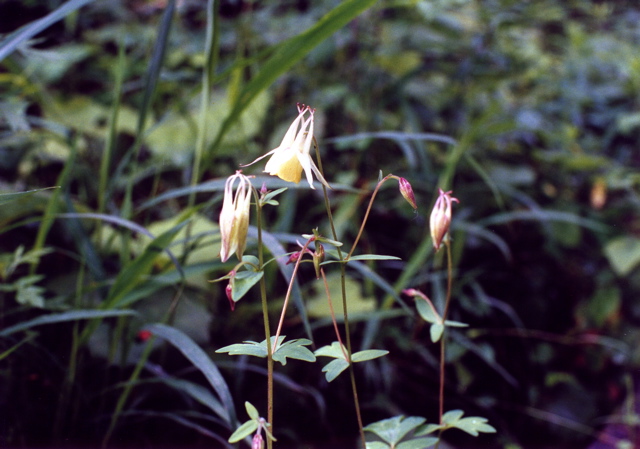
x: 292, y: 156
x: 234, y: 217
x: 441, y: 217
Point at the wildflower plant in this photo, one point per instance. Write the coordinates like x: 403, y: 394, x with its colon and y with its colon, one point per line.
x: 288, y: 161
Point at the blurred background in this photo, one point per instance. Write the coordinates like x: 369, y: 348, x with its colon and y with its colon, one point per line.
x: 528, y: 111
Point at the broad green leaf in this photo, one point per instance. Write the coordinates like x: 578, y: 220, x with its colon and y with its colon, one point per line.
x: 293, y: 349
x: 393, y: 430
x: 427, y: 311
x: 474, y: 425
x: 201, y: 361
x: 369, y: 354
x: 435, y: 331
x: 334, y: 368
x: 243, y: 282
x: 251, y: 410
x: 623, y: 254
x: 377, y: 445
x: 335, y: 350
x: 452, y: 416
x: 243, y: 431
x: 418, y: 443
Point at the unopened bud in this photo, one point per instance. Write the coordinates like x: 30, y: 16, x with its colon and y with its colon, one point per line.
x: 441, y: 217
x: 257, y: 442
x: 229, y: 290
x: 293, y: 258
x: 407, y: 192
x: 318, y: 258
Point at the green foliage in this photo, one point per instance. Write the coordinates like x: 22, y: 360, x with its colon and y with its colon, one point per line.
x: 294, y: 349
x: 399, y: 432
x: 337, y: 351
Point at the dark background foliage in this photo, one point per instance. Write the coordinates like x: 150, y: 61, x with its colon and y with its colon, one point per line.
x: 529, y: 111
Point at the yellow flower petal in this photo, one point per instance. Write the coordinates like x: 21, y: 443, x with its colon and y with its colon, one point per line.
x: 285, y: 165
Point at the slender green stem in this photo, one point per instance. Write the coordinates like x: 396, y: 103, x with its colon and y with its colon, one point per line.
x: 265, y: 318
x: 343, y: 277
x: 444, y: 320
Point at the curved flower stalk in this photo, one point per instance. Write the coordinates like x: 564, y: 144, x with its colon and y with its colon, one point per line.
x: 234, y: 217
x: 292, y: 156
x: 441, y: 217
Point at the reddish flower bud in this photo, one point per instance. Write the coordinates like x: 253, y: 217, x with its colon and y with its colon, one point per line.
x: 441, y: 217
x: 293, y: 258
x: 407, y: 192
x: 257, y: 442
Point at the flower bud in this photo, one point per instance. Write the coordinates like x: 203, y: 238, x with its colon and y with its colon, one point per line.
x: 318, y: 258
x: 234, y: 217
x: 229, y: 289
x: 407, y: 192
x: 441, y: 217
x: 257, y: 442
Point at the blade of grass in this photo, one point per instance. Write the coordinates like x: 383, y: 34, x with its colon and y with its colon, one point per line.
x: 200, y: 360
x: 287, y: 55
x: 13, y: 41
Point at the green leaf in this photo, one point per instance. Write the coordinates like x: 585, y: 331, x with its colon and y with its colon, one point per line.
x: 271, y: 195
x: 243, y: 282
x: 247, y: 348
x: 474, y: 425
x: 393, y: 430
x: 373, y: 257
x: 455, y: 324
x: 251, y: 411
x: 335, y: 350
x: 25, y: 33
x: 200, y: 360
x: 435, y: 331
x: 7, y: 197
x: 377, y: 445
x: 452, y: 416
x: 369, y: 354
x: 418, y: 443
x: 243, y: 431
x: 293, y: 349
x: 623, y: 254
x: 427, y: 310
x: 334, y: 368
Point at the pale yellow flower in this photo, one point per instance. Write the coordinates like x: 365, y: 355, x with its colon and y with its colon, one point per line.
x: 234, y: 217
x: 292, y: 156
